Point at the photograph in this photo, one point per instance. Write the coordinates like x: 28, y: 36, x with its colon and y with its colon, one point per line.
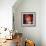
x: 28, y: 18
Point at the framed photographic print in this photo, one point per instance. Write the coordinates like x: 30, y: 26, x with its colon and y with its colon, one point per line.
x: 28, y: 19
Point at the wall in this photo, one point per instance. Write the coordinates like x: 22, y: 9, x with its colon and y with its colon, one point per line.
x: 43, y: 22
x: 6, y: 13
x: 6, y: 16
x: 32, y: 33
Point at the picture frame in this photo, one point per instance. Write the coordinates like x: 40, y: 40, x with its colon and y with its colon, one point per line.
x: 28, y: 19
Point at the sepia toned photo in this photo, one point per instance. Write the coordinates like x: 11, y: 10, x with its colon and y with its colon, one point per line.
x: 28, y: 18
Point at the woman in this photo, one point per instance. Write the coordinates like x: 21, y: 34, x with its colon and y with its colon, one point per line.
x: 28, y: 19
